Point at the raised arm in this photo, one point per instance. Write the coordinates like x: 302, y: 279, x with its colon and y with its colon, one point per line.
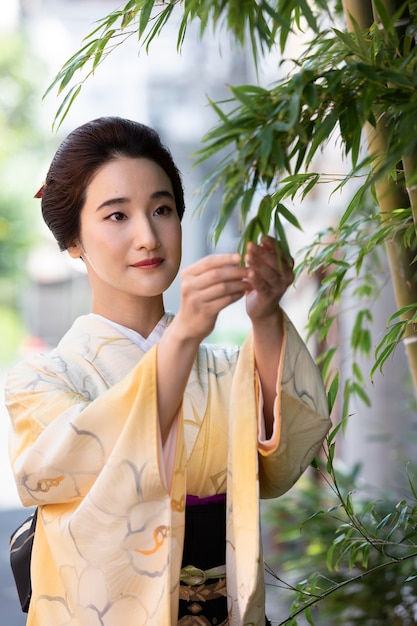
x: 207, y: 287
x: 269, y: 276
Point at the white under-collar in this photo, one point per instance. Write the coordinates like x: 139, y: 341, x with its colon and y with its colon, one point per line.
x: 136, y: 338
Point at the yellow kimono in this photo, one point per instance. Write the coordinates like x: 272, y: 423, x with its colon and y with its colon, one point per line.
x: 85, y: 447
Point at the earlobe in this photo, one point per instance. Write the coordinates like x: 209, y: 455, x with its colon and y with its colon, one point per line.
x: 76, y: 251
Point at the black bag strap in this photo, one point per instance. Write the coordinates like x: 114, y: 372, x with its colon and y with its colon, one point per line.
x: 21, y: 543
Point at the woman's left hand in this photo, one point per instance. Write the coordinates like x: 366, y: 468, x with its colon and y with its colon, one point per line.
x: 270, y: 274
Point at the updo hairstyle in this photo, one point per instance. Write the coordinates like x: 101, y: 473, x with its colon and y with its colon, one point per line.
x: 81, y: 154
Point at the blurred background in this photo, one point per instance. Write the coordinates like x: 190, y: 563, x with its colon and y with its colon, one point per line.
x: 43, y: 290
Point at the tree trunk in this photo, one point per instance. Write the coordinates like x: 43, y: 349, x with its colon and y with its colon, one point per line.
x: 390, y: 196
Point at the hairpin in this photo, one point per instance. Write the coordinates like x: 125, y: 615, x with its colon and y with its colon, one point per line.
x: 39, y: 193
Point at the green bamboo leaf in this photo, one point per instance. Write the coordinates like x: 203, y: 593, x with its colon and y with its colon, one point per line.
x: 182, y: 31
x: 348, y: 41
x: 324, y: 359
x: 310, y: 93
x: 332, y: 393
x: 382, y: 358
x: 132, y: 5
x: 360, y: 39
x: 323, y: 130
x: 403, y: 311
x: 225, y: 119
x: 267, y: 138
x: 241, y: 94
x: 66, y: 105
x: 100, y: 48
x: 144, y: 17
x: 286, y: 213
x: 359, y: 391
x: 246, y: 202
x: 330, y: 557
x: 315, y: 463
x: 255, y: 89
x: 315, y: 178
x: 159, y: 24
x: 281, y: 236
x: 67, y: 76
x: 358, y: 374
x: 253, y: 230
x: 102, y: 25
x: 308, y: 616
x: 386, y: 19
x: 264, y: 213
x: 349, y: 504
x: 393, y: 78
x: 130, y: 10
x: 333, y: 433
x: 308, y: 14
x: 330, y: 457
x: 384, y: 522
x: 277, y: 17
x: 353, y: 205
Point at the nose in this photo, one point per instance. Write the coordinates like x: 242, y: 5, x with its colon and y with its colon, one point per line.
x: 145, y: 233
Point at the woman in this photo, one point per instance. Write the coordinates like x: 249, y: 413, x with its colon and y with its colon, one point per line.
x: 145, y: 450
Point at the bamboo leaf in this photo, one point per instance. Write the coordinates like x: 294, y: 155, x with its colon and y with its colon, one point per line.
x: 334, y: 432
x: 281, y: 236
x: 159, y: 23
x: 100, y: 48
x: 145, y: 14
x: 66, y: 105
x: 332, y: 393
x: 287, y: 214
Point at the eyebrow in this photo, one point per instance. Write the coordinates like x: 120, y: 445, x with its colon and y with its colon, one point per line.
x: 163, y: 193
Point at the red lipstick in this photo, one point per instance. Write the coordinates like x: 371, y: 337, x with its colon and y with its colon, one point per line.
x: 149, y: 264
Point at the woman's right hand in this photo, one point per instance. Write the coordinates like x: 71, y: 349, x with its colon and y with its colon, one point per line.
x: 207, y: 287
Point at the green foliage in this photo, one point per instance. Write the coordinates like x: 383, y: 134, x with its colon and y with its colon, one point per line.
x: 258, y: 23
x: 20, y: 150
x: 362, y: 553
x: 18, y: 94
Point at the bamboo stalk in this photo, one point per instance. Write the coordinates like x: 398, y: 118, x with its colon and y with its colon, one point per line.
x: 391, y: 196
x: 361, y: 11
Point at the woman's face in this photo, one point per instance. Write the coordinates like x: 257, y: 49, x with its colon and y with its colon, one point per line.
x: 130, y: 236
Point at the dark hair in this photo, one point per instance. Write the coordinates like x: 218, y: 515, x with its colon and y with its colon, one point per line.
x: 79, y: 157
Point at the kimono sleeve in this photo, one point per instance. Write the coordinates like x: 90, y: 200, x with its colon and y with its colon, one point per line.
x: 67, y: 425
x: 301, y: 418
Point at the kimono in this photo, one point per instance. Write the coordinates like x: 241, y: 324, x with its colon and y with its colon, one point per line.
x: 85, y: 448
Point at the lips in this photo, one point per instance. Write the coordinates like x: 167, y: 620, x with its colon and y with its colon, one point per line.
x: 149, y: 264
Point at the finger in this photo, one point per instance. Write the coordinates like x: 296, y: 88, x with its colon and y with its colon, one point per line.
x: 270, y: 253
x: 212, y: 300
x: 215, y: 280
x: 268, y: 277
x: 282, y: 253
x: 214, y: 261
x: 219, y: 290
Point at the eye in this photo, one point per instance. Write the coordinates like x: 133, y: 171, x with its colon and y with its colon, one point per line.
x: 163, y: 210
x: 117, y: 216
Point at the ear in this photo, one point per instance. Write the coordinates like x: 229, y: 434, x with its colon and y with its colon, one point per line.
x: 76, y: 250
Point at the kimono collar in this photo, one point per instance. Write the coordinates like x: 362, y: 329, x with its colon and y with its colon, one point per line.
x: 143, y: 343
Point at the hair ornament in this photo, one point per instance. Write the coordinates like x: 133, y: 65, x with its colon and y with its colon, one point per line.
x: 39, y: 193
